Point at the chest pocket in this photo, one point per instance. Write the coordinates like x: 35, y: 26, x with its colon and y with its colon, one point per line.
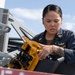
x: 61, y: 44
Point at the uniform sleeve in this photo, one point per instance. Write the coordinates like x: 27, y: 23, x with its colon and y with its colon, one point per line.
x: 70, y: 56
x: 70, y: 50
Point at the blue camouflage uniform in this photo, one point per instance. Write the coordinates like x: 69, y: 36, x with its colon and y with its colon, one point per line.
x: 63, y: 38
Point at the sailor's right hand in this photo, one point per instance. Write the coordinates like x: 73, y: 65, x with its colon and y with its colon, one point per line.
x: 46, y: 50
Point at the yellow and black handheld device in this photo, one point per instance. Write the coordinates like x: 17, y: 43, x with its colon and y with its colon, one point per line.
x: 28, y: 57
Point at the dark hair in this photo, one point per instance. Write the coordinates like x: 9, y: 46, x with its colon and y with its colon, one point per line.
x: 52, y: 7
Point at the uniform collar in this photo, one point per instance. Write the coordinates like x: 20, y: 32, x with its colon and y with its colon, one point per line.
x: 59, y: 33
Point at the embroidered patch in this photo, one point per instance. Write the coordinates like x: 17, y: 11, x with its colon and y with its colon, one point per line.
x: 40, y: 39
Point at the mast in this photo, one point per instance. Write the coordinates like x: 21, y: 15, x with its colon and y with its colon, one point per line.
x: 3, y: 38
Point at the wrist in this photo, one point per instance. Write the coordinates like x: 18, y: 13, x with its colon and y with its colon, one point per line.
x: 58, y: 50
x: 54, y: 48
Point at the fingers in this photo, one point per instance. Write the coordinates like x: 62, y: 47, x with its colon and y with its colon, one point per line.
x: 46, y: 50
x: 43, y: 54
x: 41, y: 44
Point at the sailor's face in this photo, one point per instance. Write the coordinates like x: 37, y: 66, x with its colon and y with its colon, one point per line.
x: 52, y: 22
